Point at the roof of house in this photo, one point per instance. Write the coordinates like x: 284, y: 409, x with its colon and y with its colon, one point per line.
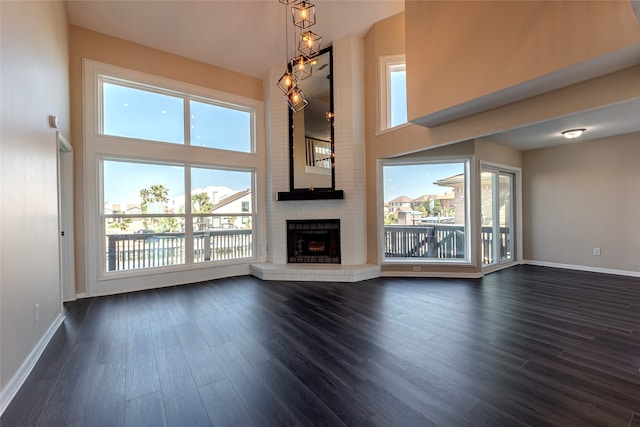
x: 452, y: 181
x: 231, y: 198
x: 401, y: 199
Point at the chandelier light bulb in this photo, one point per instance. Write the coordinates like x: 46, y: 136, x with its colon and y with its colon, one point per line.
x: 299, y: 68
x: 309, y: 44
x: 286, y: 82
x: 304, y: 14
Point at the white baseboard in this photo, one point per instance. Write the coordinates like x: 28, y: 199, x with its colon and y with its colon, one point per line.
x: 81, y: 295
x: 583, y: 268
x: 13, y: 386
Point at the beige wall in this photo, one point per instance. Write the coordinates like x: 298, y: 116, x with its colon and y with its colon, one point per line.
x: 99, y: 47
x: 387, y: 37
x: 384, y: 39
x: 35, y: 84
x: 581, y: 196
x: 453, y: 48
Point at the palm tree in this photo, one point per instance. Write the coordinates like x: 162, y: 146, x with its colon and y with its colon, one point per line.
x: 157, y: 193
x: 160, y: 193
x: 201, y: 203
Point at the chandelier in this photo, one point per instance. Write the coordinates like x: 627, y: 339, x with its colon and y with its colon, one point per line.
x: 303, y: 16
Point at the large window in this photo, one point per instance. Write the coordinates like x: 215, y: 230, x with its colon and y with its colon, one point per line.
x: 156, y: 114
x: 171, y: 176
x: 147, y: 220
x: 393, y: 91
x: 426, y: 211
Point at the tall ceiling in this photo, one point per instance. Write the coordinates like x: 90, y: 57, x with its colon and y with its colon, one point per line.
x: 248, y: 36
x: 240, y: 35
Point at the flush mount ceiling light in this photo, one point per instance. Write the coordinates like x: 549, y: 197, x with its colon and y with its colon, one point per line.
x: 573, y: 133
x: 308, y: 45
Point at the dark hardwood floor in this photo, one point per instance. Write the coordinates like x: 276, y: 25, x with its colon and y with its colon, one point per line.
x: 523, y: 346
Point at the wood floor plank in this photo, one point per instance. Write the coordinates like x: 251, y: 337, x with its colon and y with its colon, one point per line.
x: 145, y: 411
x: 223, y: 405
x: 203, y: 365
x: 340, y: 398
x: 141, y: 369
x: 524, y: 346
x: 67, y: 402
x: 106, y: 398
x: 263, y: 406
x: 182, y: 402
x: 307, y: 408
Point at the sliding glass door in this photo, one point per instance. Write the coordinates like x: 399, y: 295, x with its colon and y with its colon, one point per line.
x: 497, y: 214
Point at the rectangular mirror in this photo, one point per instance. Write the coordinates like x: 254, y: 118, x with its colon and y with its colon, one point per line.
x: 311, y: 139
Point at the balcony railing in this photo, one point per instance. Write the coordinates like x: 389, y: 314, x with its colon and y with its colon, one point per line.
x: 134, y: 251
x: 488, y: 257
x: 440, y: 241
x: 437, y: 241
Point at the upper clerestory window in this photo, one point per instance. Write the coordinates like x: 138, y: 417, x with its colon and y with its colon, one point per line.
x: 393, y: 91
x: 138, y: 111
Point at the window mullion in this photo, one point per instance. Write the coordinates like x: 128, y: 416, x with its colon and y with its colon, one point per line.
x: 495, y: 182
x: 188, y: 217
x: 187, y: 121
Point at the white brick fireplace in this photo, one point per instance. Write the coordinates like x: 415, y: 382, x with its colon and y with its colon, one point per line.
x: 348, y: 79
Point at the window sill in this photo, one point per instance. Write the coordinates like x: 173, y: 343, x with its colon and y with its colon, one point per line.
x: 398, y: 127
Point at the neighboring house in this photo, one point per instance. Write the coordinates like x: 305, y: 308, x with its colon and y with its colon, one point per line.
x: 398, y: 203
x: 446, y: 200
x: 457, y: 183
x: 234, y: 204
x: 407, y: 216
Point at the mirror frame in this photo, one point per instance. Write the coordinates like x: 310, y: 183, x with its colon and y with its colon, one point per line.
x: 292, y: 187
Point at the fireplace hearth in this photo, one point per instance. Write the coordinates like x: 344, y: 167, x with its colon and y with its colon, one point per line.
x: 313, y: 241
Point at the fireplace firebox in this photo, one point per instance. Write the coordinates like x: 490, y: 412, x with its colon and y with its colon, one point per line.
x: 314, y: 241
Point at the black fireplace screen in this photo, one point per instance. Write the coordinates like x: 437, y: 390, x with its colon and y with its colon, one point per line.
x: 313, y: 241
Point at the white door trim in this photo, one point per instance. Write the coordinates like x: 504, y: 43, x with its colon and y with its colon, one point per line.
x: 65, y: 219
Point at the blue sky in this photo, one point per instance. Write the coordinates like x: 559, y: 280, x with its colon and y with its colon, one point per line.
x: 416, y: 180
x: 136, y: 113
x: 124, y: 180
x: 398, y: 98
x: 154, y: 116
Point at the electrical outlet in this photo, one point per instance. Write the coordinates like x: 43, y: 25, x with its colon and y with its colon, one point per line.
x: 36, y: 312
x: 596, y: 251
x: 417, y: 268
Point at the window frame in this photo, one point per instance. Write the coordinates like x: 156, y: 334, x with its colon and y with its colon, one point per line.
x: 388, y: 64
x: 186, y: 97
x: 469, y: 238
x: 188, y: 217
x: 516, y: 211
x: 99, y: 146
